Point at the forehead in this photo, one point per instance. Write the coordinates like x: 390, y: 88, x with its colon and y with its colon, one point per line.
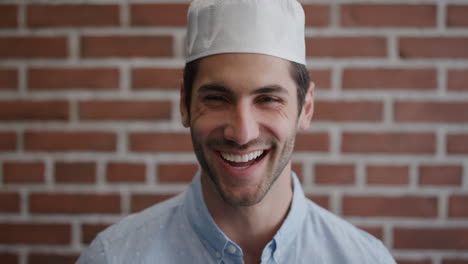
x: 244, y: 71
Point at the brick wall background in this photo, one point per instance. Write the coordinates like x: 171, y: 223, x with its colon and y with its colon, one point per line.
x: 90, y: 129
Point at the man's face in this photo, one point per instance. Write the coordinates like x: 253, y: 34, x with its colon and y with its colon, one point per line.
x: 243, y: 121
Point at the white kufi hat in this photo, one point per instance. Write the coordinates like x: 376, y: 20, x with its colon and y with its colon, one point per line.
x: 272, y: 27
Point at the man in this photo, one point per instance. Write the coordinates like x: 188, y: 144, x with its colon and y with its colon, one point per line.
x: 246, y: 93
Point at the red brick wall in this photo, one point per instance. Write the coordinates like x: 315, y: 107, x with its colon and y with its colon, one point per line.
x: 90, y: 129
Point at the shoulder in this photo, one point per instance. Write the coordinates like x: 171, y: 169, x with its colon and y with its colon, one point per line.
x: 347, y: 241
x: 135, y: 234
x: 152, y: 218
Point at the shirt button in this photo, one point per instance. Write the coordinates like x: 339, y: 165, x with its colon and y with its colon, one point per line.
x: 217, y: 254
x: 231, y: 249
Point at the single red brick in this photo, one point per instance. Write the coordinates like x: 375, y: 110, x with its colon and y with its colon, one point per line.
x: 317, y: 141
x: 376, y: 231
x: 457, y: 143
x: 74, y: 203
x: 414, y: 261
x: 440, y: 175
x: 455, y: 261
x: 33, y: 47
x: 35, y: 233
x: 321, y: 200
x: 126, y: 172
x: 9, y: 202
x: 126, y: 46
x: 142, y: 201
x: 387, y: 78
x: 70, y: 141
x: 387, y: 175
x: 75, y: 172
x: 176, y: 173
x: 7, y: 141
x: 23, y: 172
x: 8, y: 79
x: 73, y: 78
x: 72, y: 15
x: 8, y: 16
x: 51, y: 258
x: 334, y: 174
x: 159, y: 14
x: 144, y: 78
x: 458, y: 206
x: 388, y: 142
x: 121, y: 110
x: 34, y: 110
x: 448, y: 238
x: 348, y: 111
x: 321, y: 78
x: 9, y: 258
x: 457, y: 80
x: 380, y: 206
x: 90, y: 231
x: 160, y: 142
x: 316, y: 15
x: 426, y: 111
x: 346, y: 47
x: 388, y: 15
x: 433, y: 47
x: 456, y: 15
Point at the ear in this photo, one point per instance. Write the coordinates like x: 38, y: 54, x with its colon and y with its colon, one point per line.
x: 183, y: 108
x: 307, y: 108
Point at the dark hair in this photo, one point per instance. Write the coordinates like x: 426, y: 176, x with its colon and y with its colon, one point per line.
x: 299, y: 73
x: 301, y: 76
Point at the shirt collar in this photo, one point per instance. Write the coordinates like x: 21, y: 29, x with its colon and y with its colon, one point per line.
x: 216, y: 241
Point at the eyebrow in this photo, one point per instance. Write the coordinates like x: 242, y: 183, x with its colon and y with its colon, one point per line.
x: 213, y: 87
x: 223, y: 89
x: 271, y: 89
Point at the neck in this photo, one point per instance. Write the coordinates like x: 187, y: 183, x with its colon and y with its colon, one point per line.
x: 251, y: 227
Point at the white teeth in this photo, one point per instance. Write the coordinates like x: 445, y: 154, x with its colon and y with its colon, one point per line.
x: 242, y: 158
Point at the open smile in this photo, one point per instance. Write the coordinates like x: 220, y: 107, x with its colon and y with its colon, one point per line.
x: 243, y: 161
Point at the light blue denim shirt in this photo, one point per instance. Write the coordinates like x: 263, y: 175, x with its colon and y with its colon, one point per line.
x: 181, y: 230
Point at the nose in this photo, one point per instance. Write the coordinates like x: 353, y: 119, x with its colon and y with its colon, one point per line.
x: 242, y: 126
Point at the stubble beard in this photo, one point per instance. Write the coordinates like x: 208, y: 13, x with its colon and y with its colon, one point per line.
x: 261, y: 190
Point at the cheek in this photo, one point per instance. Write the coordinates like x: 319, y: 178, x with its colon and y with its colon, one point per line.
x: 203, y: 121
x: 280, y: 122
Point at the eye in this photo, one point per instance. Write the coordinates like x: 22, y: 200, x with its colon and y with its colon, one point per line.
x: 215, y: 101
x: 214, y: 98
x: 269, y: 99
